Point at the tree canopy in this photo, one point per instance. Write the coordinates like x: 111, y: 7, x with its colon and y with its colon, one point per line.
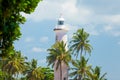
x: 80, y: 42
x: 10, y: 20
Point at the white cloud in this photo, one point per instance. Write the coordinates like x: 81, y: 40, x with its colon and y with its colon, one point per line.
x: 112, y: 19
x: 76, y: 14
x: 44, y: 39
x: 29, y: 39
x: 42, y: 61
x: 38, y: 49
x: 48, y: 10
x: 91, y: 29
x: 119, y: 42
x: 45, y: 10
x: 116, y: 33
x: 112, y: 29
x: 72, y: 29
x: 108, y: 28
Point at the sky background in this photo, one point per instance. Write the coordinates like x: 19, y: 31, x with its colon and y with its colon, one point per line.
x: 100, y: 18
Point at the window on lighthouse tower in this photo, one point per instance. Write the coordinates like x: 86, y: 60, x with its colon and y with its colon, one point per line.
x: 60, y: 22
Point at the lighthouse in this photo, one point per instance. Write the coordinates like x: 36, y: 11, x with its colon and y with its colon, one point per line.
x: 61, y: 35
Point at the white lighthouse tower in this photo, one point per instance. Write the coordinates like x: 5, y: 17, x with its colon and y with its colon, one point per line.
x: 61, y: 35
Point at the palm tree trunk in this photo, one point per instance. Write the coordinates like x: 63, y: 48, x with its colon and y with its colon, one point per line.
x: 80, y: 76
x: 60, y: 71
x: 81, y: 52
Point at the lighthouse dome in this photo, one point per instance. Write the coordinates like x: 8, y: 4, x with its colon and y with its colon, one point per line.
x: 61, y: 21
x: 60, y: 25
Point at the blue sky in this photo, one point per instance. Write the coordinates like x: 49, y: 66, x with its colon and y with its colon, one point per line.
x: 100, y: 18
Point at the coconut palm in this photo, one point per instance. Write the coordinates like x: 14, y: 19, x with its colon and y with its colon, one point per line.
x: 3, y: 74
x: 81, y: 69
x: 58, y: 55
x: 95, y: 74
x: 15, y: 64
x: 49, y: 74
x: 33, y: 72
x: 80, y: 42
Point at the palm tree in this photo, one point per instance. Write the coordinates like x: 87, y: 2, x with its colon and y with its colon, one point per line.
x: 80, y: 42
x: 49, y: 74
x: 58, y: 55
x: 81, y: 69
x: 95, y: 74
x: 33, y: 72
x: 15, y: 64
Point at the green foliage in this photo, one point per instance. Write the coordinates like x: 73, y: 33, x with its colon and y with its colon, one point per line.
x: 95, y: 74
x: 80, y: 42
x: 12, y: 66
x: 80, y: 69
x: 49, y: 74
x: 10, y: 20
x: 58, y: 52
x: 34, y: 63
x: 34, y: 72
x: 15, y: 64
x: 58, y: 55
